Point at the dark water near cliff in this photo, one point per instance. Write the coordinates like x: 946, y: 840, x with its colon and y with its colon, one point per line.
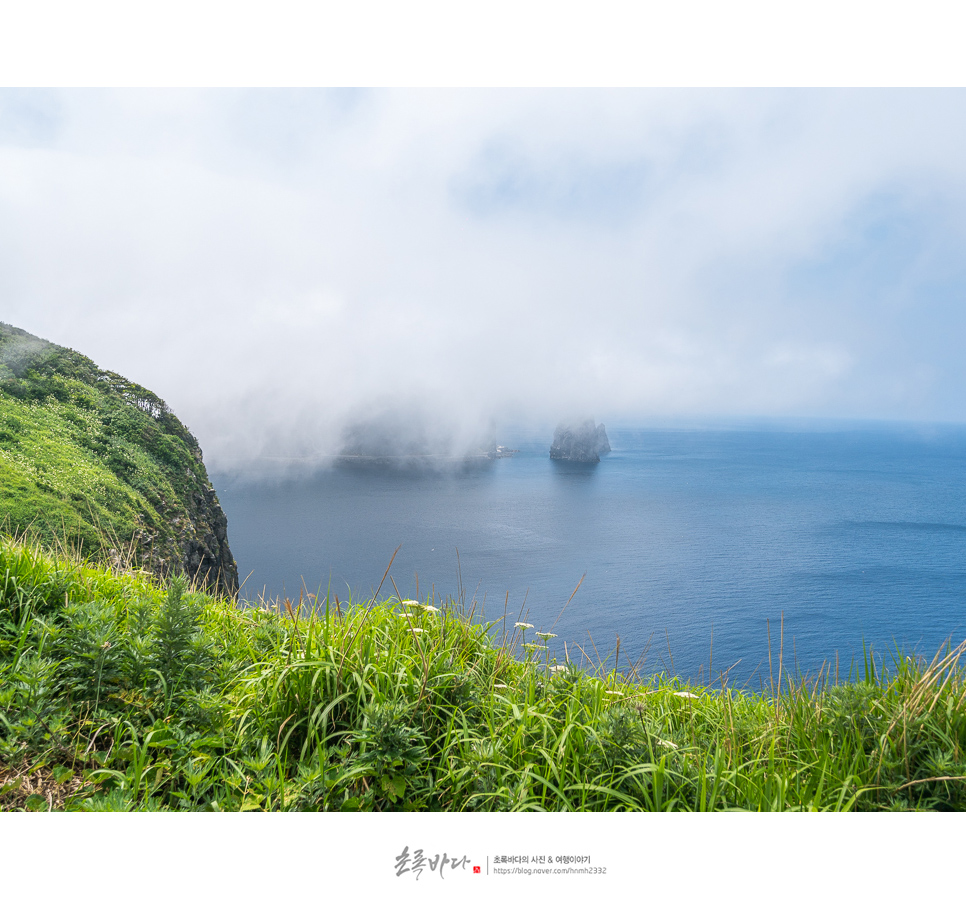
x: 854, y: 535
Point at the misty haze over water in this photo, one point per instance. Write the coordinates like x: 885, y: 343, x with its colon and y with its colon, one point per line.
x: 852, y: 534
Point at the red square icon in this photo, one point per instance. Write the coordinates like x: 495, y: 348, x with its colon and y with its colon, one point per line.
x: 476, y: 870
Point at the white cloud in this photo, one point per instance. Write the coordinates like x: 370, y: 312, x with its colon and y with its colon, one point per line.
x: 273, y: 264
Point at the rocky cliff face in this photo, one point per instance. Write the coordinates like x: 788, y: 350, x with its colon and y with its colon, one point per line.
x: 579, y: 442
x: 205, y: 553
x: 94, y: 460
x: 197, y: 545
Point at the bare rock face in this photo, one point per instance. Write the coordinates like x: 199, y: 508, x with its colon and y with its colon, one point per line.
x: 205, y: 554
x: 580, y: 442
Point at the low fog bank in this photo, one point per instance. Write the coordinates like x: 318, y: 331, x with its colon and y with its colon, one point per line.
x: 407, y: 437
x: 408, y: 432
x: 392, y: 434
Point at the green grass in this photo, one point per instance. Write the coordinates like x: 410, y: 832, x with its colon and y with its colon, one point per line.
x: 54, y: 483
x: 117, y: 693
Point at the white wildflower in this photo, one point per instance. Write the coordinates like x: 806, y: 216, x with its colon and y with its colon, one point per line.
x: 614, y: 692
x: 416, y: 629
x: 429, y: 608
x: 543, y: 635
x: 408, y: 603
x: 667, y: 744
x: 524, y: 626
x: 686, y: 695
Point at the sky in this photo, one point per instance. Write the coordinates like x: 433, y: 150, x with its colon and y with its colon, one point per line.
x: 279, y: 265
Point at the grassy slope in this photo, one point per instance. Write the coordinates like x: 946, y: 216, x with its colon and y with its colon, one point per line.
x: 118, y: 694
x: 87, y: 458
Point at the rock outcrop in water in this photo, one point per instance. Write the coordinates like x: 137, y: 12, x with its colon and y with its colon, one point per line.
x: 603, y: 445
x: 581, y: 442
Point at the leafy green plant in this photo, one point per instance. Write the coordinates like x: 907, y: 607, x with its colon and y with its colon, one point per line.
x: 179, y: 652
x: 391, y: 754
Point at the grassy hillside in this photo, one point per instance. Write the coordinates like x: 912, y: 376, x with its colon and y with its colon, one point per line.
x: 118, y: 694
x: 89, y: 459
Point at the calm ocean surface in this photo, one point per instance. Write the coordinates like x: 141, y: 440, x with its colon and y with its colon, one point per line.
x: 854, y: 535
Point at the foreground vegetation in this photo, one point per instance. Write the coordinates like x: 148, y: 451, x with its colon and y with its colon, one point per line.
x: 119, y: 694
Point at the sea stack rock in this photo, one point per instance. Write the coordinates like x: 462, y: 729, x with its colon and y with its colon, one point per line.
x: 581, y: 442
x: 603, y: 445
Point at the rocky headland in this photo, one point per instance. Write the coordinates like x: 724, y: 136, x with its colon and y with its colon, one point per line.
x: 91, y: 460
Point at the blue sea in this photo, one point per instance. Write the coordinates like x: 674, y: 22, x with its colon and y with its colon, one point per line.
x: 699, y: 549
